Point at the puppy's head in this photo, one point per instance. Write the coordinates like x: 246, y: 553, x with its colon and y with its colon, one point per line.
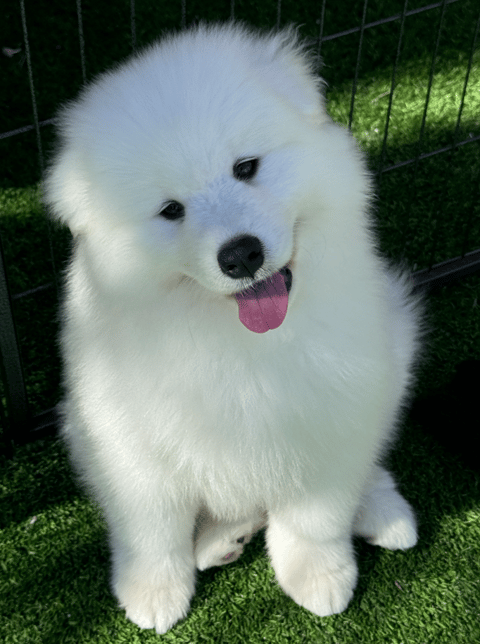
x: 194, y: 162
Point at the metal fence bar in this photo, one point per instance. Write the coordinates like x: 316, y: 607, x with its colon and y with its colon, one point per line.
x: 430, y: 83
x: 443, y: 273
x: 26, y: 128
x: 467, y: 77
x: 10, y: 359
x: 133, y: 25
x: 384, y: 21
x: 392, y: 88
x: 357, y: 64
x: 321, y: 23
x: 427, y: 155
x: 81, y: 40
x: 31, y: 83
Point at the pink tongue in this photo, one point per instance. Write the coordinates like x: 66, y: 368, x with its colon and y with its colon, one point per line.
x: 264, y: 306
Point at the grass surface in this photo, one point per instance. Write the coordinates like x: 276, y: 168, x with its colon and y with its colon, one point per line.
x: 53, y: 552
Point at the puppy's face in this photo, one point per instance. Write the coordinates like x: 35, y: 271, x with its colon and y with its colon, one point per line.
x: 189, y: 163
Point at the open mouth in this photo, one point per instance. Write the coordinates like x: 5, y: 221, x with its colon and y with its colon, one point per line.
x: 263, y: 306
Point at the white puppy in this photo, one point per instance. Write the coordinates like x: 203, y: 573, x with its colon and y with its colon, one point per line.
x: 236, y: 352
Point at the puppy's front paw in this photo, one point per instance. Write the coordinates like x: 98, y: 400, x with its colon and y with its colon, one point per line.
x: 154, y: 603
x: 317, y: 581
x: 328, y: 593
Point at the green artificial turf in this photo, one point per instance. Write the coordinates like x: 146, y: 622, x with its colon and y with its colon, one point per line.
x: 53, y: 553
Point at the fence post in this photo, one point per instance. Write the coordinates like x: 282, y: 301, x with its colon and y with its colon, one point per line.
x: 11, y: 364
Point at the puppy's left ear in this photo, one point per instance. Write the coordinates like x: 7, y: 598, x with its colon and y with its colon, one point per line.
x: 65, y: 190
x: 291, y: 71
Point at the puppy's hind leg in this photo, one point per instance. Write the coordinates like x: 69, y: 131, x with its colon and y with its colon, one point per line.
x: 219, y: 542
x: 384, y: 517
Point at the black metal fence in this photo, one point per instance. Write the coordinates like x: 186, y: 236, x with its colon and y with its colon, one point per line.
x: 18, y: 423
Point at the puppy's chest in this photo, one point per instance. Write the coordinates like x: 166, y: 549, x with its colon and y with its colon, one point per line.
x: 230, y: 418
x: 243, y: 392
x: 192, y: 392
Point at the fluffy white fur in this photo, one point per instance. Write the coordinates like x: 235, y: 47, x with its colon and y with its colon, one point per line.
x: 175, y: 412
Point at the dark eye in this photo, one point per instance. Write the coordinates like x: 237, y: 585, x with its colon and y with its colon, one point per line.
x: 172, y: 210
x: 245, y: 169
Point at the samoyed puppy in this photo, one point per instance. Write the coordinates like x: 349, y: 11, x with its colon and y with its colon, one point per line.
x: 236, y: 352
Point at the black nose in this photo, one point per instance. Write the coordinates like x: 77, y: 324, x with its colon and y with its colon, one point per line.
x: 241, y: 257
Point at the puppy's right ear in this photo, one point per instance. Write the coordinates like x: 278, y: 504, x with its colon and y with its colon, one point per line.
x: 291, y: 71
x: 66, y: 190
